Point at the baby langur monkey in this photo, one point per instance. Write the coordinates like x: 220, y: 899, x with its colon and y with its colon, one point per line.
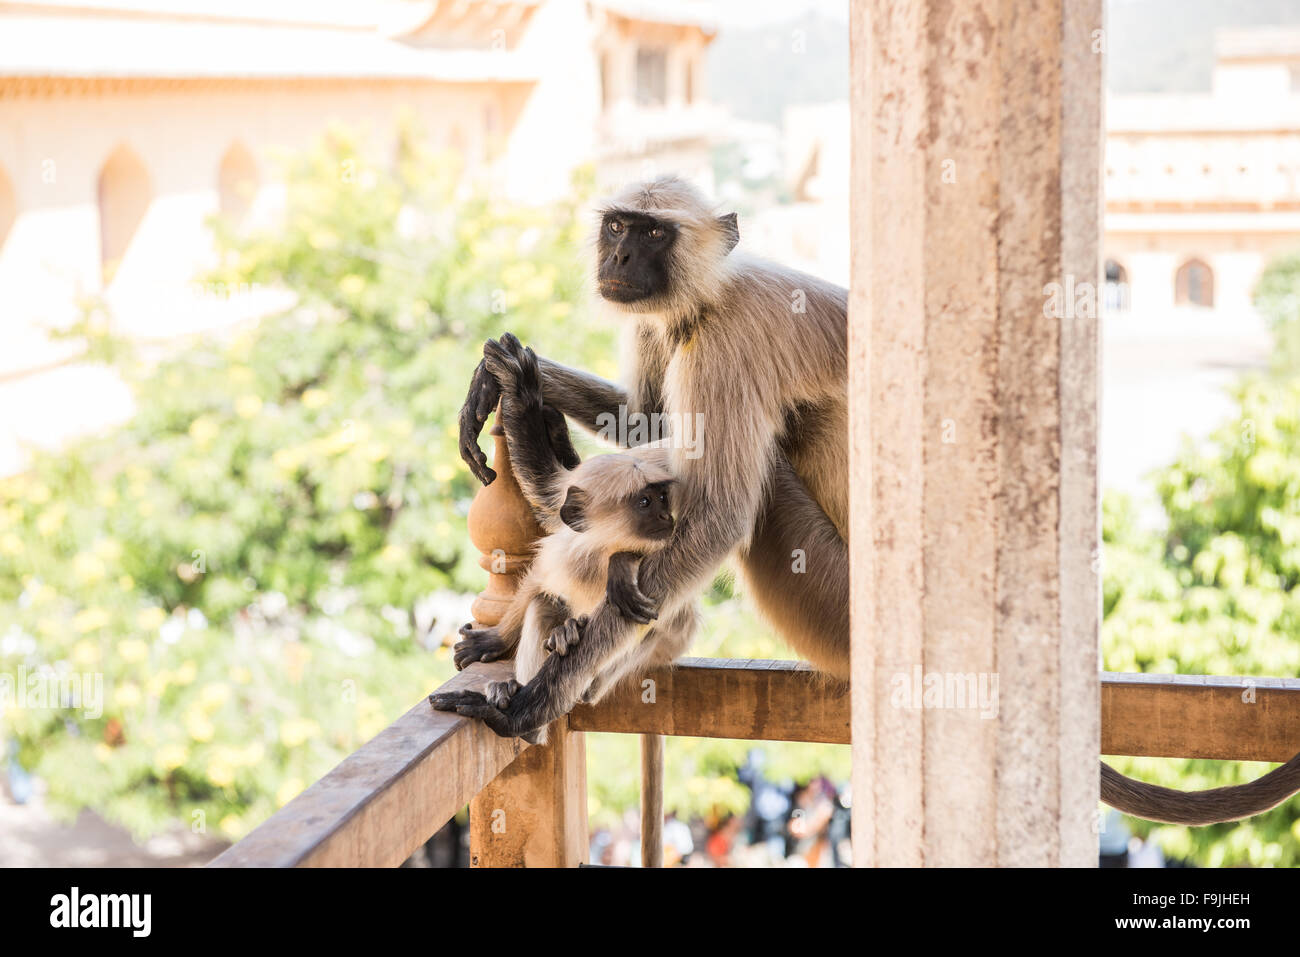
x: 603, y: 517
x: 616, y: 510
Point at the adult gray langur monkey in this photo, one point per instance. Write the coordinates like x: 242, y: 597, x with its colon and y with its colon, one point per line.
x: 757, y: 353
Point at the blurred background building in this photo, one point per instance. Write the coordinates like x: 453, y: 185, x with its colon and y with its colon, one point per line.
x: 125, y: 124
x: 1203, y: 189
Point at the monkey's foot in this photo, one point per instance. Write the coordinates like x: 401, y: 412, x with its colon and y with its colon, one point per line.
x: 499, y: 693
x: 520, y: 718
x: 478, y: 644
x: 565, y: 636
x: 514, y: 366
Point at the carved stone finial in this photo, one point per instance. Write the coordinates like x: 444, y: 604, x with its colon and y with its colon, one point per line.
x: 502, y: 527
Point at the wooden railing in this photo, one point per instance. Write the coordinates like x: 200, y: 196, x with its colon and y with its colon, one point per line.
x: 528, y: 803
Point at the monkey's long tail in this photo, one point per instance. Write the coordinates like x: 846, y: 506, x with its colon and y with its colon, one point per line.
x: 1154, y: 803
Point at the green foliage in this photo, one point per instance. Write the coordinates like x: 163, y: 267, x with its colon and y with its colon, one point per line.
x: 242, y: 562
x: 1216, y: 594
x: 1277, y: 297
x: 248, y: 563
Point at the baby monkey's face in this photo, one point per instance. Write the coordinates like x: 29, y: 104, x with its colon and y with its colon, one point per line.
x: 652, y: 511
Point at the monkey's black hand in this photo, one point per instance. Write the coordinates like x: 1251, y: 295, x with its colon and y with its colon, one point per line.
x: 478, y: 644
x: 479, y: 403
x: 622, y: 592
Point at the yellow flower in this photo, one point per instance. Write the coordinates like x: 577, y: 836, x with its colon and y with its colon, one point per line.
x: 323, y: 239
x: 171, y: 756
x: 394, y: 554
x: 159, y: 681
x: 11, y: 544
x: 85, y: 654
x: 295, y: 731
x: 286, y: 460
x: 103, y: 752
x: 247, y: 406
x: 150, y: 619
x: 198, y: 726
x: 241, y: 675
x: 204, y: 429
x: 315, y: 398
x: 126, y: 583
x: 89, y: 619
x: 186, y: 673
x: 51, y: 520
x: 352, y: 284
x: 127, y: 695
x: 133, y: 650
x: 232, y: 826
x: 39, y: 493
x: 443, y: 473
x: 250, y: 755
x: 287, y: 791
x: 213, y: 696
x: 220, y: 773
x: 240, y: 375
x: 109, y: 549
x: 87, y: 568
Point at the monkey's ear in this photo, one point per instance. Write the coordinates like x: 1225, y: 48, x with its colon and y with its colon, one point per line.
x: 730, y: 231
x: 574, y: 510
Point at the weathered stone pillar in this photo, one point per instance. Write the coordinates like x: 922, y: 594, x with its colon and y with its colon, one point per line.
x: 973, y: 393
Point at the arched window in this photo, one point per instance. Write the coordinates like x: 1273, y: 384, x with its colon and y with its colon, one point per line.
x: 236, y: 183
x: 8, y: 207
x: 1194, y: 284
x: 1116, y: 287
x: 124, y: 194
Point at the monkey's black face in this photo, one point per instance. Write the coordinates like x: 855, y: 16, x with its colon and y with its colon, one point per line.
x: 652, y: 511
x: 633, y: 256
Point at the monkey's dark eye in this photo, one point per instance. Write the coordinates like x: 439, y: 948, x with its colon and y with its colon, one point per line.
x: 663, y: 497
x: 615, y: 227
x: 643, y: 502
x: 657, y: 233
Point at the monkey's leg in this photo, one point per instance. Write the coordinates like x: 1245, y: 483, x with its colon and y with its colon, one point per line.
x: 797, y: 569
x: 558, y: 684
x: 545, y: 614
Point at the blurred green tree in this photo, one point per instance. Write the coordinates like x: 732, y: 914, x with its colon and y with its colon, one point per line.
x: 268, y: 563
x: 1215, y: 593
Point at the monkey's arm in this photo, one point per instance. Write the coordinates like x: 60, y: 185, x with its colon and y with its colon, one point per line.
x: 562, y: 679
x: 579, y: 395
